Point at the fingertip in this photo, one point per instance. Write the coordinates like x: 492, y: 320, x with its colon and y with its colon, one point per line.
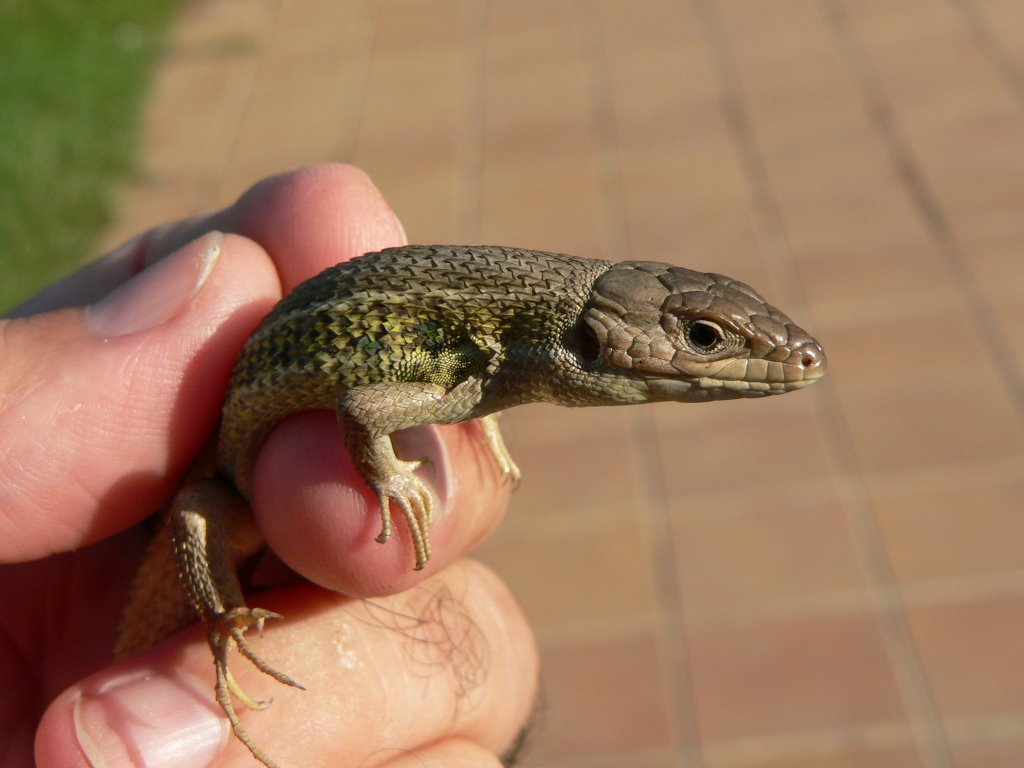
x: 329, y: 532
x: 315, y: 217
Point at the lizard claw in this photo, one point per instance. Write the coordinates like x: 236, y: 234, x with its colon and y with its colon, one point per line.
x: 226, y: 631
x: 417, y: 505
x: 496, y: 445
x: 509, y: 470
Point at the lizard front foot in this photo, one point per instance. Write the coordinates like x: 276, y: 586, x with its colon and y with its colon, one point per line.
x: 496, y: 445
x: 414, y: 499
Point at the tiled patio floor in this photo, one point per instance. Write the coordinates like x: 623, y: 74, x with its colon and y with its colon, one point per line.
x: 833, y: 579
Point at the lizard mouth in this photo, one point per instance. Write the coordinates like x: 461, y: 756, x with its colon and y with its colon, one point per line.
x: 709, y: 388
x: 783, y: 370
x: 742, y: 377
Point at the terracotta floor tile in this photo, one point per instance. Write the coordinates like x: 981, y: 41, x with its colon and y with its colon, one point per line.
x: 1002, y: 751
x: 745, y: 555
x: 599, y: 700
x: 656, y: 189
x: 955, y: 523
x: 815, y: 755
x: 995, y: 258
x: 771, y: 444
x: 301, y: 102
x: 646, y: 758
x: 573, y: 481
x: 1004, y: 21
x: 772, y: 677
x: 905, y: 429
x: 422, y: 172
x: 1009, y: 310
x: 953, y: 108
x: 931, y: 327
x: 895, y: 421
x: 971, y: 654
x: 571, y: 577
x: 545, y: 423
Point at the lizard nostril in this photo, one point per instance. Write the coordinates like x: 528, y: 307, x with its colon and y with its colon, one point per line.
x: 812, y: 357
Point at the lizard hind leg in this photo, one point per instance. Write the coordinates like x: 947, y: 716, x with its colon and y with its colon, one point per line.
x: 209, y: 523
x: 223, y: 636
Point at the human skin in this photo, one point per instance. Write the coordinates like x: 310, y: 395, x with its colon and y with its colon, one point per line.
x: 111, y: 382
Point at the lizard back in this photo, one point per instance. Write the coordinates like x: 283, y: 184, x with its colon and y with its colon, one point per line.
x: 437, y: 314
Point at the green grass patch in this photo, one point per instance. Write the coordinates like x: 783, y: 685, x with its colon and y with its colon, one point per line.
x: 73, y: 74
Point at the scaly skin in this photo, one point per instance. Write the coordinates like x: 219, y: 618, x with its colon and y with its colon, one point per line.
x: 442, y: 334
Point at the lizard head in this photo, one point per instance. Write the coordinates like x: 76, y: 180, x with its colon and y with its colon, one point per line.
x: 687, y: 335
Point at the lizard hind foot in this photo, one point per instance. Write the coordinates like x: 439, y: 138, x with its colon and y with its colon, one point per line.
x: 227, y: 631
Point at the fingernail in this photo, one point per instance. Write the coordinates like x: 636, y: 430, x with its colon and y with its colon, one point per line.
x: 159, y: 292
x: 160, y: 721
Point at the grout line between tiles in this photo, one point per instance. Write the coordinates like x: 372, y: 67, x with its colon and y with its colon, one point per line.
x: 806, y: 746
x: 636, y: 757
x: 838, y: 603
x: 981, y: 28
x: 896, y: 634
x: 471, y: 138
x: 990, y: 332
x: 675, y: 649
x: 987, y: 728
x: 679, y: 702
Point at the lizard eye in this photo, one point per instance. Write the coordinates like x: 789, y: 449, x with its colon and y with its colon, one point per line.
x: 703, y: 335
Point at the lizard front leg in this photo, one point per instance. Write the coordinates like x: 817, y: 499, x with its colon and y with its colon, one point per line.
x: 496, y: 445
x: 369, y: 415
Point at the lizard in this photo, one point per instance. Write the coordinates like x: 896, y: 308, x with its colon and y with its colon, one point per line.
x: 418, y: 335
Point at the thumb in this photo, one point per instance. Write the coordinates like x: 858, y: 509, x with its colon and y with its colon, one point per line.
x: 101, y: 407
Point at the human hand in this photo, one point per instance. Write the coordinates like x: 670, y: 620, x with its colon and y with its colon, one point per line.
x: 108, y: 389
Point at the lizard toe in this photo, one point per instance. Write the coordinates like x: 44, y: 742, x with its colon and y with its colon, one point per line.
x: 413, y: 497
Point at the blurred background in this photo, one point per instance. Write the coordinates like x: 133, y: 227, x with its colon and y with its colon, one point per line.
x: 832, y: 579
